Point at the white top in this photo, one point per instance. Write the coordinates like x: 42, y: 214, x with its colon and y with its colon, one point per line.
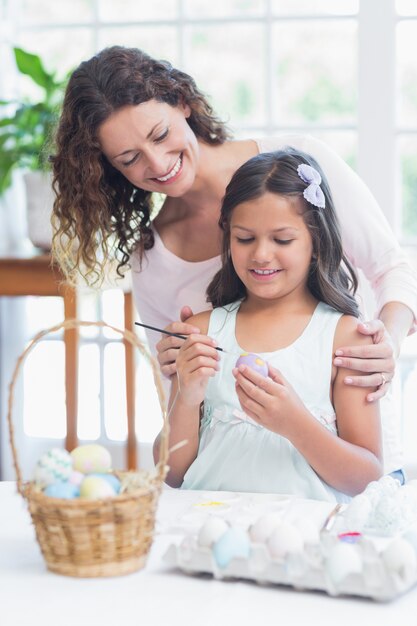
x: 167, y: 282
x: 236, y: 453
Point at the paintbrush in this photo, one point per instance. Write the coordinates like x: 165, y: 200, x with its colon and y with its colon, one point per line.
x: 166, y: 332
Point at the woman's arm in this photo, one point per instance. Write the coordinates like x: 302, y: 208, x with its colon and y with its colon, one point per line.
x: 378, y: 359
x: 197, y: 360
x: 347, y: 462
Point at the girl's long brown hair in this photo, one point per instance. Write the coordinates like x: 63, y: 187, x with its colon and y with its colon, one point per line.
x: 98, y: 214
x: 331, y: 278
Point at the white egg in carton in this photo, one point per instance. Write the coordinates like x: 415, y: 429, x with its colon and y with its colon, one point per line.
x: 279, y: 539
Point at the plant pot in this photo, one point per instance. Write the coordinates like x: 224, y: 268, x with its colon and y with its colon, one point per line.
x: 39, y: 202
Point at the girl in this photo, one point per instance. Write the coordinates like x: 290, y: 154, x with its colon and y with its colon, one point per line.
x: 285, y: 290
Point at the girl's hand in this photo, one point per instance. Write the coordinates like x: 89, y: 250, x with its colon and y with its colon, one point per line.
x: 377, y: 360
x: 270, y: 401
x: 197, y: 361
x: 168, y: 346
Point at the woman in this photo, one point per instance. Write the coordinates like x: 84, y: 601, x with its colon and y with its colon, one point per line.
x: 133, y: 128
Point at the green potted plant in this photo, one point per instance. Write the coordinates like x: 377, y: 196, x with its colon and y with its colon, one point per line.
x: 25, y: 140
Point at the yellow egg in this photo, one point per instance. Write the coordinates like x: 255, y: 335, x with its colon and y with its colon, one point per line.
x: 91, y: 458
x: 96, y: 488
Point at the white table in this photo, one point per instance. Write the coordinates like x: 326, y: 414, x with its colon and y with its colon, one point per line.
x: 157, y: 595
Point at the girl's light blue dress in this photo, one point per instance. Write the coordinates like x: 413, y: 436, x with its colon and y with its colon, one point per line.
x: 237, y: 454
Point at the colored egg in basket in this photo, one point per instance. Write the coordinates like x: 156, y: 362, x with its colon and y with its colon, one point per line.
x: 83, y: 473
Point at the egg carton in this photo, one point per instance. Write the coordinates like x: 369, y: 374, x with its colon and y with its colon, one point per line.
x: 355, y: 564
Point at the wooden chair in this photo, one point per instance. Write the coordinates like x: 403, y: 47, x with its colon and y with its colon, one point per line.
x: 32, y: 274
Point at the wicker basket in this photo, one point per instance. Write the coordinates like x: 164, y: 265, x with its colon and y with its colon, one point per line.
x: 92, y: 538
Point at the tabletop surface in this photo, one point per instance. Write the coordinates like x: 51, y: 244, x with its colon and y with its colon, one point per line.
x: 158, y: 594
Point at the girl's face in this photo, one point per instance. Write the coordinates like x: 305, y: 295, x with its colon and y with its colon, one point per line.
x: 271, y: 247
x: 153, y: 146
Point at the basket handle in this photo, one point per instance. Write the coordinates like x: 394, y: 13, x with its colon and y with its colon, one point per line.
x: 129, y: 336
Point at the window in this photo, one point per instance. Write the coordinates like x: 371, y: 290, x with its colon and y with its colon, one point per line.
x: 269, y: 66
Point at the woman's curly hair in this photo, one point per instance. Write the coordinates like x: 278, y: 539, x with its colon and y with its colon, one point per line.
x: 98, y: 214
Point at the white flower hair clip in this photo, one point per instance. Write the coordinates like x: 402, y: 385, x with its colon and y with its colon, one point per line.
x: 313, y: 193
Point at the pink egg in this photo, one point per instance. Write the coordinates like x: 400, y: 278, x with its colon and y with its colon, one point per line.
x: 254, y: 361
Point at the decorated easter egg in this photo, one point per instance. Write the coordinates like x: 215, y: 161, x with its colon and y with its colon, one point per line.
x: 91, y: 458
x: 343, y: 559
x: 285, y: 539
x: 61, y: 489
x: 54, y: 465
x: 111, y: 479
x: 262, y: 529
x: 96, y: 488
x: 233, y: 543
x: 212, y: 529
x: 254, y: 361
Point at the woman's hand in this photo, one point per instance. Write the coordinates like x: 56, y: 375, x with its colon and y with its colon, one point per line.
x: 168, y: 346
x: 197, y: 361
x: 270, y: 401
x: 377, y: 361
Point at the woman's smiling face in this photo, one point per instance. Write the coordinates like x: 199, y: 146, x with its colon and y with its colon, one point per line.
x: 153, y: 146
x: 271, y: 247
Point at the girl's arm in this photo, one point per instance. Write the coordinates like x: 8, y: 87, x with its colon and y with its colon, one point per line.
x: 197, y: 361
x: 184, y: 426
x: 354, y: 458
x: 347, y: 462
